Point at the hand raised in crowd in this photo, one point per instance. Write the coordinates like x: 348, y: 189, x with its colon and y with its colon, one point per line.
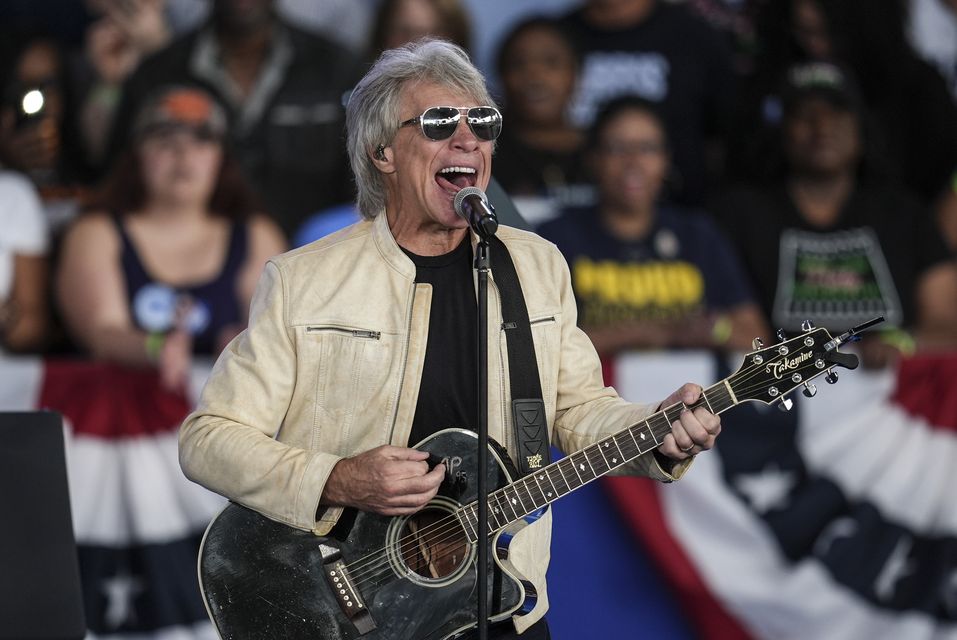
x: 387, y: 480
x: 128, y: 31
x: 695, y: 431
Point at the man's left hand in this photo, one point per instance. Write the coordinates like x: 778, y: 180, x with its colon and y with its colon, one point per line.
x: 694, y: 431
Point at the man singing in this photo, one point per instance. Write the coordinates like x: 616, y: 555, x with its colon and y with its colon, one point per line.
x: 363, y: 343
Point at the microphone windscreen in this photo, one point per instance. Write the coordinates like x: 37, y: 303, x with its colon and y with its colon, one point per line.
x: 459, y: 202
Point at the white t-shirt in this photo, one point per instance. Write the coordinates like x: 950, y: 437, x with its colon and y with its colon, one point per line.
x: 23, y: 228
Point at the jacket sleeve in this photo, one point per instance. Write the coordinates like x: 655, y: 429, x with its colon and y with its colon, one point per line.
x: 586, y: 410
x: 228, y: 443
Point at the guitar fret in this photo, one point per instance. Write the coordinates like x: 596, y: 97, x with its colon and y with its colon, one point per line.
x: 704, y: 395
x: 720, y: 399
x: 596, y: 471
x: 537, y: 477
x: 468, y: 522
x: 548, y: 495
x: 519, y: 494
x: 499, y: 497
x: 510, y: 502
x: 620, y: 452
x: 493, y: 511
x: 632, y: 434
x: 578, y: 467
x: 571, y: 462
x: 659, y: 424
x: 568, y: 487
x: 601, y: 449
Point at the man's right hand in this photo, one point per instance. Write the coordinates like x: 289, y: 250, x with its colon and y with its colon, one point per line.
x: 387, y: 480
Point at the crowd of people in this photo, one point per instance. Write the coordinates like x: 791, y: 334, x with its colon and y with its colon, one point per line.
x: 710, y: 169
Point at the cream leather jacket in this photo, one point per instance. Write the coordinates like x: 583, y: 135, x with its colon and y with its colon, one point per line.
x: 330, y: 366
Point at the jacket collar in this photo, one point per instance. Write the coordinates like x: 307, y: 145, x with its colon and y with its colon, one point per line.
x: 389, y: 249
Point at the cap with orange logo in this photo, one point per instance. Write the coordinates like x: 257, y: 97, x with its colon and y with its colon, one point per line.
x: 177, y: 108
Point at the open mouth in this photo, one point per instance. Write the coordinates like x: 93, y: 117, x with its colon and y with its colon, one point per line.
x: 454, y: 179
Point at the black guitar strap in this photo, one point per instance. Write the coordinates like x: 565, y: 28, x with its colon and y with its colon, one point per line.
x: 528, y: 409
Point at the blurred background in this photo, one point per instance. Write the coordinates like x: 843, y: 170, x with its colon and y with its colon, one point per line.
x: 712, y: 170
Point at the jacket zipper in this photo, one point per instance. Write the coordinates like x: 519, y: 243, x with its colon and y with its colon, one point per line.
x: 356, y: 333
x: 532, y: 323
x: 405, y: 363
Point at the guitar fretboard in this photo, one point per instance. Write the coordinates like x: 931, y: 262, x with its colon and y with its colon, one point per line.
x: 536, y: 490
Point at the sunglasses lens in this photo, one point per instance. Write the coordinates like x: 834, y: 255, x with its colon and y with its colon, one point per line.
x: 438, y: 123
x: 486, y: 122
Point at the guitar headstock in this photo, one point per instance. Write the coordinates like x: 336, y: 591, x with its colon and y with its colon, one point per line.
x: 768, y: 374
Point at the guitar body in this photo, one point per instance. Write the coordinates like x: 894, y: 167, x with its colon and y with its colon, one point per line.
x: 412, y: 577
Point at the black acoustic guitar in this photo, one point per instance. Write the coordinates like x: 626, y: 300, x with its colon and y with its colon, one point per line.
x: 414, y: 577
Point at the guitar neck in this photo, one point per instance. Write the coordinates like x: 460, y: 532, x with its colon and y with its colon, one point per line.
x: 558, y: 479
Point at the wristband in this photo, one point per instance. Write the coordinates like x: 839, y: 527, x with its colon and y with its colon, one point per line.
x: 900, y: 340
x: 721, y: 330
x: 154, y: 345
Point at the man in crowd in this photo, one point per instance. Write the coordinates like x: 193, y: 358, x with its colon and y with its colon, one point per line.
x: 666, y: 55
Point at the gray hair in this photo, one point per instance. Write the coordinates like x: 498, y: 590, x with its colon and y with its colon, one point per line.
x: 372, y: 114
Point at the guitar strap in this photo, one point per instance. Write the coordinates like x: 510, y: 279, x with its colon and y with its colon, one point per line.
x: 528, y: 409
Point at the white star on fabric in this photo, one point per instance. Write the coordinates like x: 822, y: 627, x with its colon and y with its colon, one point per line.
x: 768, y: 489
x: 120, y: 591
x: 898, y: 565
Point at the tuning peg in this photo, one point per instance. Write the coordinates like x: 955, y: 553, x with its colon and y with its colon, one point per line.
x: 785, y: 404
x: 757, y: 343
x: 831, y: 376
x: 807, y: 325
x: 809, y: 390
x: 782, y: 336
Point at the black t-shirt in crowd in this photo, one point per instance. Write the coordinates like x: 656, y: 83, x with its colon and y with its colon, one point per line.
x: 868, y: 263
x: 523, y: 170
x: 449, y: 388
x: 671, y: 58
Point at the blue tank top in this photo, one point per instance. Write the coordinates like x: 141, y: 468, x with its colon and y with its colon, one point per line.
x: 206, y: 307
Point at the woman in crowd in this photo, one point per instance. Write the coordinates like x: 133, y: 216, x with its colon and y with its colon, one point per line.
x: 23, y: 266
x: 648, y: 275
x: 167, y: 266
x: 830, y: 243
x: 538, y: 158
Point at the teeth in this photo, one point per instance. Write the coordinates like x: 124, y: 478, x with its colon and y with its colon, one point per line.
x: 457, y: 170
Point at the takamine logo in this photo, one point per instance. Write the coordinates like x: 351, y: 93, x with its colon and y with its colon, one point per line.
x: 784, y: 365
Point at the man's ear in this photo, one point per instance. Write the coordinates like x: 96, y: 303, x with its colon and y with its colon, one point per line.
x: 382, y: 159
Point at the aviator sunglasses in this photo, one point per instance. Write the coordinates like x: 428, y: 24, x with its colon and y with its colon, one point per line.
x: 439, y: 123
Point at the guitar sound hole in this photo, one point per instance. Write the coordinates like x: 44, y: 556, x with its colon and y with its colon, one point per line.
x: 432, y: 544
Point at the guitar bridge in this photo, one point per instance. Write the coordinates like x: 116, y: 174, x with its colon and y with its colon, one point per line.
x: 348, y: 597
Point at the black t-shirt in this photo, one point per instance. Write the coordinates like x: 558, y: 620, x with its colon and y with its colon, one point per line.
x: 523, y: 170
x: 671, y: 58
x: 449, y: 388
x: 866, y: 264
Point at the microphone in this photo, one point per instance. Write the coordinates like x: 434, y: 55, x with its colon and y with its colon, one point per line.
x: 472, y: 205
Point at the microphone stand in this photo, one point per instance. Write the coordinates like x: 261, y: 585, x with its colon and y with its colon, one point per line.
x: 482, y: 268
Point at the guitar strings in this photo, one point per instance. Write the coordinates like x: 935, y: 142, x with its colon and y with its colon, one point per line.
x: 449, y: 528
x: 451, y: 525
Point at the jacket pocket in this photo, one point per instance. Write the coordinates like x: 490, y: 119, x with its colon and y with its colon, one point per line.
x: 351, y: 366
x: 547, y: 338
x: 347, y: 331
